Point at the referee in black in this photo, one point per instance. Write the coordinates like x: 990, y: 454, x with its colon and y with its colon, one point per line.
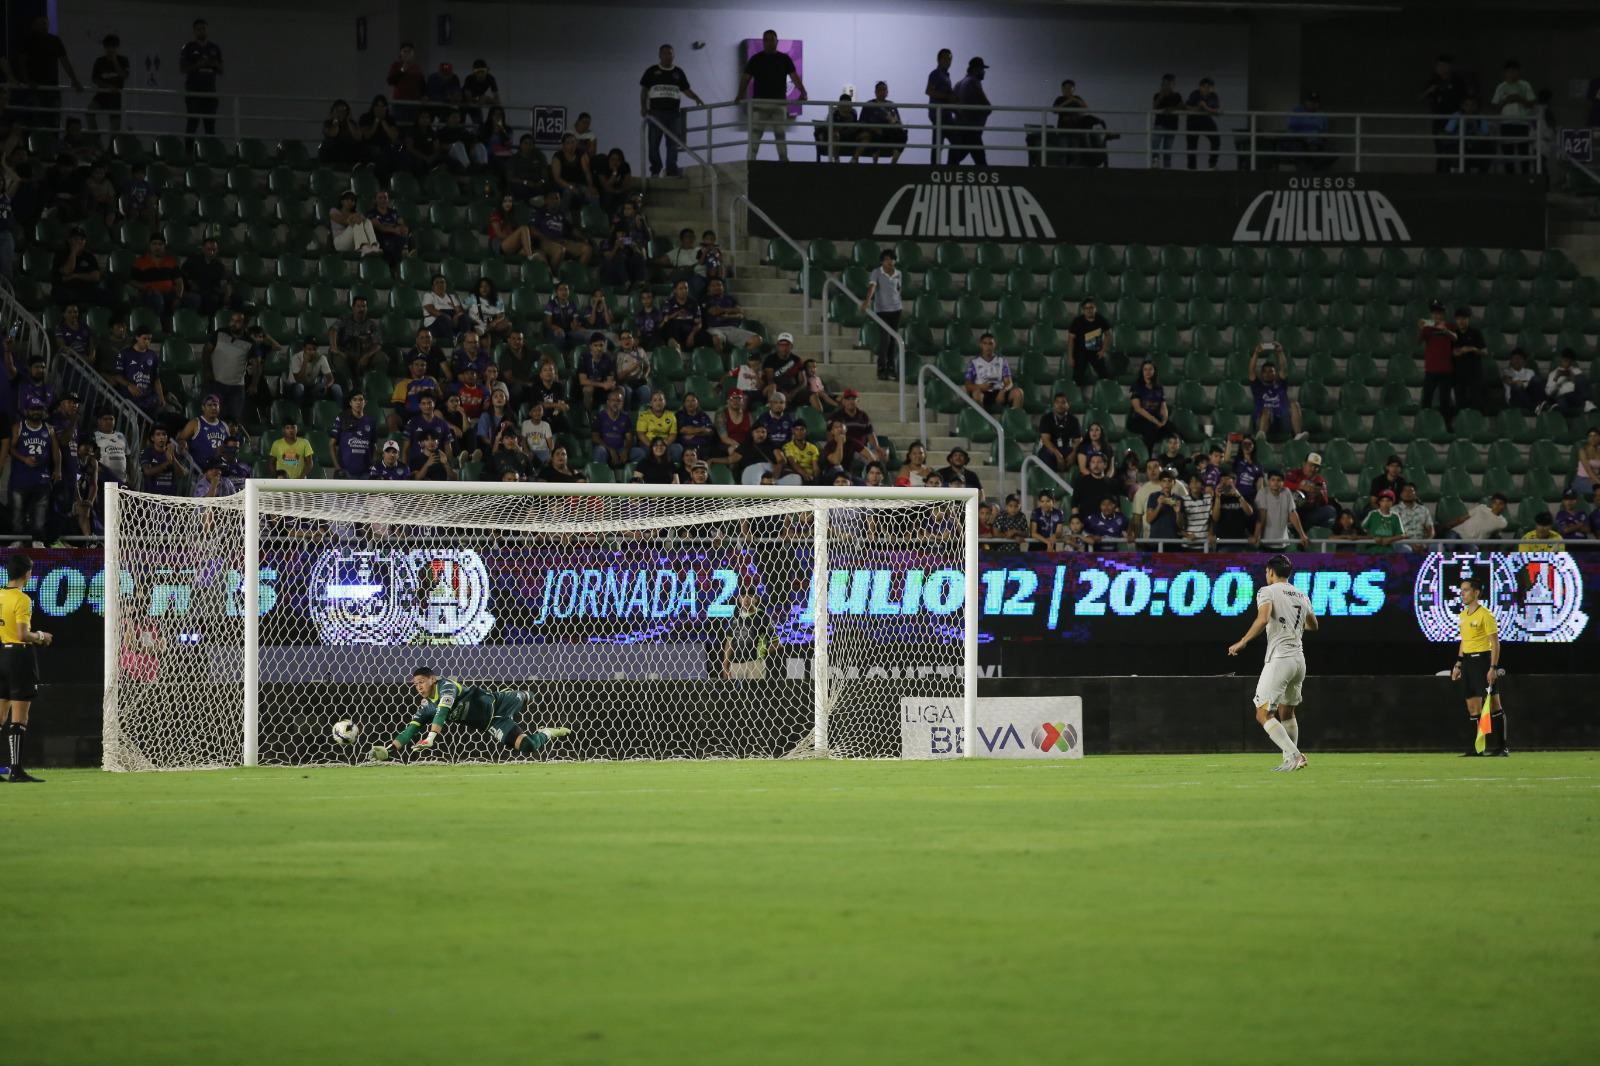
x: 1477, y: 667
x: 19, y: 667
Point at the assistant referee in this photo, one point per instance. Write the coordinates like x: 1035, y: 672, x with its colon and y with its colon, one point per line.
x: 19, y: 666
x: 1477, y: 667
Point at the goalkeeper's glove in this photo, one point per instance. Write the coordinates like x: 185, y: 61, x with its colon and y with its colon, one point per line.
x: 380, y: 753
x: 428, y: 742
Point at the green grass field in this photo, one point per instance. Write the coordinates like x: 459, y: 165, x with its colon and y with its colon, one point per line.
x: 1383, y: 909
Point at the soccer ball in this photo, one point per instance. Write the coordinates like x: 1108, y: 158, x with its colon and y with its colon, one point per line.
x: 346, y: 732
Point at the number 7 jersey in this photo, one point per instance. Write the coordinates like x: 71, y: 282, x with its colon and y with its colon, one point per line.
x: 1290, y: 608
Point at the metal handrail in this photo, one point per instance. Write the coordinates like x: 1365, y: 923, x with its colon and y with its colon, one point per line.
x: 805, y: 260
x: 644, y: 129
x: 1320, y: 546
x: 1050, y: 472
x: 827, y: 341
x: 922, y: 419
x: 1261, y: 143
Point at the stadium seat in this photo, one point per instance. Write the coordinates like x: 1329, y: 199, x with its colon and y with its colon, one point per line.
x: 909, y: 257
x: 1033, y: 258
x: 1069, y: 257
x: 952, y: 257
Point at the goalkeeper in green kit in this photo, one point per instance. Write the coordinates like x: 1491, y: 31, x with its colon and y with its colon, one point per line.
x: 446, y: 701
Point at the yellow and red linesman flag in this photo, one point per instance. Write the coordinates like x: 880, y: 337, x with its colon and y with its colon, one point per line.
x: 1478, y: 742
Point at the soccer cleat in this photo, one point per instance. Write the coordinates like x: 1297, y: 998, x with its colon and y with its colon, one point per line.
x: 1283, y: 767
x: 1499, y: 753
x: 1299, y: 763
x: 555, y: 732
x: 1470, y: 754
x: 20, y: 776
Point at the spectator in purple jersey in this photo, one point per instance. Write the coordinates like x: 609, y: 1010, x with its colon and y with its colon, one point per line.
x: 1247, y: 473
x: 612, y: 435
x: 406, y: 401
x: 74, y: 336
x: 1044, y: 525
x: 389, y: 467
x: 724, y: 319
x: 232, y: 465
x: 1275, y: 412
x: 469, y: 352
x: 35, y: 467
x: 213, y: 483
x: 695, y: 429
x: 597, y: 371
x: 158, y: 464
x: 647, y: 321
x: 426, y: 420
x: 554, y: 230
x: 596, y: 317
x: 35, y: 388
x: 353, y: 434
x: 680, y: 323
x: 137, y: 374
x: 777, y: 421
x: 1571, y: 522
x: 561, y: 319
x: 1211, y: 472
x: 1108, y: 529
x: 988, y: 378
x: 394, y: 236
x: 203, y: 435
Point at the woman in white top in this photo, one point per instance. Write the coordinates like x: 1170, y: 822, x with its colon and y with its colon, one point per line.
x: 488, y: 312
x: 883, y: 295
x: 352, y: 231
x: 1588, y: 474
x: 914, y: 472
x: 443, y: 313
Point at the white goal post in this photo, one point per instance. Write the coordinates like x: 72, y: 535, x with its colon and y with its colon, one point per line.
x: 658, y: 621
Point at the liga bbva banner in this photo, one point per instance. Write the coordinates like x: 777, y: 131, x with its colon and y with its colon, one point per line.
x: 1008, y: 727
x: 1077, y: 206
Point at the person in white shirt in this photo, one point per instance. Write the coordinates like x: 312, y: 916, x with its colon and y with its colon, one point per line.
x: 112, y: 444
x: 536, y: 434
x: 443, y: 313
x: 989, y: 378
x: 310, y: 376
x: 1566, y: 389
x: 883, y: 296
x: 1522, y: 388
x: 1515, y: 99
x: 1416, y: 522
x: 1480, y: 522
x: 1284, y: 612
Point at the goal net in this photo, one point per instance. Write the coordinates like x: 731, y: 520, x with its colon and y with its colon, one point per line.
x: 654, y: 621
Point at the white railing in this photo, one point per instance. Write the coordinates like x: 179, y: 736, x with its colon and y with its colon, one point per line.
x: 930, y: 370
x: 900, y: 343
x: 1128, y: 138
x: 1050, y: 472
x: 704, y: 160
x: 805, y: 260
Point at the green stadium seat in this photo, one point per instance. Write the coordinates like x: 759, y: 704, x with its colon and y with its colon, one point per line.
x: 909, y: 257
x: 1429, y: 423
x: 1548, y: 455
x: 1472, y: 425
x: 951, y: 256
x: 1033, y: 258
x: 1497, y: 479
x: 1423, y: 455
x: 983, y: 284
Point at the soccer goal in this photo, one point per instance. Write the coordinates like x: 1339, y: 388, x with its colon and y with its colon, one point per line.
x: 658, y: 622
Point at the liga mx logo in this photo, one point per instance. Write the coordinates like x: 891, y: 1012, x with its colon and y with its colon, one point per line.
x: 1536, y: 597
x: 1055, y: 736
x: 428, y: 596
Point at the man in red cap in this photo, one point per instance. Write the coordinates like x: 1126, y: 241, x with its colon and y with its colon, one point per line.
x: 1383, y: 525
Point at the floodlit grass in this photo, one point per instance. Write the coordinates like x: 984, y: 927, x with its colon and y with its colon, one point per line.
x: 1383, y: 909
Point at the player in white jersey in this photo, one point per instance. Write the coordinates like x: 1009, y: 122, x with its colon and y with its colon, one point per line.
x: 1284, y: 612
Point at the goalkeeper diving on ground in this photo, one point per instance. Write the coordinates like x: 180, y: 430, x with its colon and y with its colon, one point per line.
x: 449, y: 702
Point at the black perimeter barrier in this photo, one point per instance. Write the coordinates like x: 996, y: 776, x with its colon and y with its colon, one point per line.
x: 1121, y: 715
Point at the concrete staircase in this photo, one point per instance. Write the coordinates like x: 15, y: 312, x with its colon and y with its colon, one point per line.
x: 769, y: 296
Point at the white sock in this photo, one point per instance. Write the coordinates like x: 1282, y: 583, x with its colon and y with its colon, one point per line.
x: 1280, y: 737
x: 1292, y: 727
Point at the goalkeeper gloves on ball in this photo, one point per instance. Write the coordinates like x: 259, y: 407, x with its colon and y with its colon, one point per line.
x: 428, y: 742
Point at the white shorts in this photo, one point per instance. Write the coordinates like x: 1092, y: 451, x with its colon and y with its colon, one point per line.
x: 1280, y: 682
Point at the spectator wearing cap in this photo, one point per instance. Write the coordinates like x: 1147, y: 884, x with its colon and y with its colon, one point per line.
x: 957, y: 474
x: 444, y: 85
x: 390, y: 465
x: 1203, y: 105
x: 137, y: 374
x: 1570, y: 520
x: 1416, y: 521
x: 75, y: 276
x: 233, y: 466
x: 1107, y: 529
x: 1383, y: 525
x: 1392, y: 479
x: 1311, y: 489
x: 213, y: 483
x: 1275, y: 410
x: 1438, y: 342
x: 291, y: 453
x: 1046, y: 522
x: 310, y: 377
x: 988, y: 378
x: 1308, y: 135
x: 971, y: 116
x: 783, y: 373
x: 35, y: 388
x: 202, y: 436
